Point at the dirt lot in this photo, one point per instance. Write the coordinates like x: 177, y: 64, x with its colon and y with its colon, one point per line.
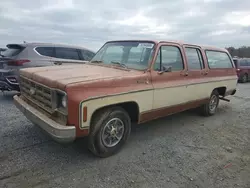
x: 183, y: 150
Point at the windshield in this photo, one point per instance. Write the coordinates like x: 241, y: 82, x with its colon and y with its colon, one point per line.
x: 132, y: 55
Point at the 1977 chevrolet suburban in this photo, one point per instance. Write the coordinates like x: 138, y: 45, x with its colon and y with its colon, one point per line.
x: 128, y: 81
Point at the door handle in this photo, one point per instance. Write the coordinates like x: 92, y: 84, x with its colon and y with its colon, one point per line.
x: 57, y: 63
x: 160, y: 72
x: 184, y: 74
x: 205, y: 73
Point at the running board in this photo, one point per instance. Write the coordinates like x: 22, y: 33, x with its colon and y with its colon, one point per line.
x: 224, y: 99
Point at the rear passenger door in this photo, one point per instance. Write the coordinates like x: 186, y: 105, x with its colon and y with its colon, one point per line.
x: 196, y: 71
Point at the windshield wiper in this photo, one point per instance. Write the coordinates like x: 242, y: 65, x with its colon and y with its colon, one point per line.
x: 96, y: 61
x: 120, y: 64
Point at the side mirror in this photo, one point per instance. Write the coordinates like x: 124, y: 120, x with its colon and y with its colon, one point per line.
x: 167, y: 68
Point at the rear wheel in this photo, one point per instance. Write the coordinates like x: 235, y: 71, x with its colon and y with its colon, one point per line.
x: 244, y: 78
x: 210, y: 108
x: 110, y: 129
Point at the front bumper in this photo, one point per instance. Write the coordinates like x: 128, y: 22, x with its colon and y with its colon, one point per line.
x: 60, y: 133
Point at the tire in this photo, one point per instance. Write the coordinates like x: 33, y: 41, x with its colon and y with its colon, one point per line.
x: 97, y: 143
x: 207, y: 109
x: 244, y: 78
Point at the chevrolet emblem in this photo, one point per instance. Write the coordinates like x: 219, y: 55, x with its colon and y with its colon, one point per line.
x: 32, y: 91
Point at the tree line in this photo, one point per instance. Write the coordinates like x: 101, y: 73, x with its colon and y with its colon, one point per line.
x: 243, y: 51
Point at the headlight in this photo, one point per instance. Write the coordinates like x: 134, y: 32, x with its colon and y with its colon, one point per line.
x: 64, y: 101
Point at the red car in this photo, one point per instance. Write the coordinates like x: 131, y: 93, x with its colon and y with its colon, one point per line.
x: 243, y: 69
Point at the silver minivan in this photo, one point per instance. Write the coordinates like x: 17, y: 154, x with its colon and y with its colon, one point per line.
x: 18, y: 56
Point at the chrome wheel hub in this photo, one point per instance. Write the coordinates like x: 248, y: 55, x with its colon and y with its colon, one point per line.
x: 213, y: 103
x: 112, y: 132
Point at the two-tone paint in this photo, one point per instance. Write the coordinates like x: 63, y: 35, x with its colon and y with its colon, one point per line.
x: 152, y: 94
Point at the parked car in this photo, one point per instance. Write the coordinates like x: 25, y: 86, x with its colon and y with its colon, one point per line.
x: 2, y: 50
x: 18, y: 56
x: 243, y: 68
x: 126, y: 81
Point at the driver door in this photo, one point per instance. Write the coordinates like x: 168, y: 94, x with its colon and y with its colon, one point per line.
x: 169, y: 79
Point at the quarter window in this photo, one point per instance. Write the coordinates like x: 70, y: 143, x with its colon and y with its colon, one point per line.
x: 169, y: 56
x: 87, y: 55
x: 67, y: 53
x: 194, y: 58
x: 243, y: 62
x: 46, y: 51
x: 217, y: 59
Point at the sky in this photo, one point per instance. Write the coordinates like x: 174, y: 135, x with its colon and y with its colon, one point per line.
x: 91, y: 23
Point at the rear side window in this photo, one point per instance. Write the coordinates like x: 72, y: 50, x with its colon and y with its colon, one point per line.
x: 46, y: 51
x: 87, y: 55
x: 12, y: 50
x: 194, y: 58
x: 243, y: 62
x: 67, y: 53
x: 217, y: 59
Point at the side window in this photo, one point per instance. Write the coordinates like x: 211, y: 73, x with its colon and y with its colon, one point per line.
x: 217, y: 59
x: 243, y: 62
x: 87, y: 55
x: 67, y: 53
x: 169, y: 56
x: 194, y: 58
x: 46, y: 51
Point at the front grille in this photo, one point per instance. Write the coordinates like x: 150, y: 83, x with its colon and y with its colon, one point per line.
x: 36, y: 93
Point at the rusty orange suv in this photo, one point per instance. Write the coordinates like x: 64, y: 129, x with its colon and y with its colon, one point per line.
x: 126, y: 81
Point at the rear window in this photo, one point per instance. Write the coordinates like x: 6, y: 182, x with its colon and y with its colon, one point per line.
x: 46, y: 51
x: 12, y: 50
x: 218, y: 59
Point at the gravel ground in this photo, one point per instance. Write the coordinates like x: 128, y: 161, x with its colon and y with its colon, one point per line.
x: 183, y: 150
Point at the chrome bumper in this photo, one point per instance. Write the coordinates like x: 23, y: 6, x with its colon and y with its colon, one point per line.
x: 60, y: 133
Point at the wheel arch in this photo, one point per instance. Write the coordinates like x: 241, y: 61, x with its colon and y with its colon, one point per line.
x: 131, y: 107
x: 221, y: 90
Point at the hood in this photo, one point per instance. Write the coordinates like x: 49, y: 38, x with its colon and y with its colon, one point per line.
x: 61, y: 76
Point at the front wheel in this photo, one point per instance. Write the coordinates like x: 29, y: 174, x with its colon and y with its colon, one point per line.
x: 109, y: 131
x: 210, y: 108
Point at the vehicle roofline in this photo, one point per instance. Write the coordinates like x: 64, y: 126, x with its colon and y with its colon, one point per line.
x: 37, y: 44
x: 133, y: 40
x: 204, y: 47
